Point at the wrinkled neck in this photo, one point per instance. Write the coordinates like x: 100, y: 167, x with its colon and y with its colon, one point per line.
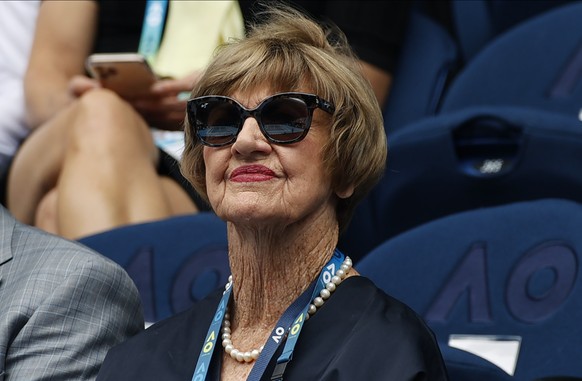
x: 271, y: 267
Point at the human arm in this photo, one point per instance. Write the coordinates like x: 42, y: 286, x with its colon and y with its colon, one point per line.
x: 63, y: 39
x: 380, y: 79
x: 90, y: 308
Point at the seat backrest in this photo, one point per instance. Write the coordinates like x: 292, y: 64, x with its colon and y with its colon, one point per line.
x: 473, y: 25
x: 482, y: 156
x: 478, y: 22
x: 508, y: 274
x: 173, y: 262
x: 428, y: 58
x: 537, y: 63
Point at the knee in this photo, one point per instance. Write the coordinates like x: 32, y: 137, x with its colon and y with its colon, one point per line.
x: 105, y: 121
x: 102, y: 109
x: 99, y: 100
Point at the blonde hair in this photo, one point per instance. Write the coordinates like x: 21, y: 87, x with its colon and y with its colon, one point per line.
x: 290, y: 51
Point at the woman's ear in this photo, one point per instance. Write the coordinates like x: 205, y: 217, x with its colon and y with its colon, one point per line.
x: 346, y: 192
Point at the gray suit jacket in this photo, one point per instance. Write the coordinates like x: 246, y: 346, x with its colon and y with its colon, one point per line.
x: 62, y: 306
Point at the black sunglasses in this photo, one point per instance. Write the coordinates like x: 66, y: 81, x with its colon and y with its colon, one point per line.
x: 283, y: 118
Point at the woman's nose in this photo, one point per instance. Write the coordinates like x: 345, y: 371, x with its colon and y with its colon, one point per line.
x: 251, y: 139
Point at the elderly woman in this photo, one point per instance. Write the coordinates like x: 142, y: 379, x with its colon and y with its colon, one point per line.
x: 284, y: 136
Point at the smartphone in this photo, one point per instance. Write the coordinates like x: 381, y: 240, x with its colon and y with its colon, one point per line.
x: 128, y: 74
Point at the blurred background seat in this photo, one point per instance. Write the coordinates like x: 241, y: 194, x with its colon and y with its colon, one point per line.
x: 478, y: 22
x: 505, y: 276
x: 476, y: 157
x: 428, y: 60
x: 442, y: 39
x: 536, y: 63
x: 493, y: 54
x: 173, y: 262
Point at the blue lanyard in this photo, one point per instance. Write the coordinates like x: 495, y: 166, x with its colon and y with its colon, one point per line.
x: 325, y: 277
x: 290, y: 322
x: 209, y: 344
x: 153, y: 25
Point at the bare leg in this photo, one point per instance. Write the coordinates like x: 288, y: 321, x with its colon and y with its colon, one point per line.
x: 108, y: 175
x: 37, y: 165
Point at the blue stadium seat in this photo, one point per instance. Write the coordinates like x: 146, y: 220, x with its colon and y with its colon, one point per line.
x: 174, y: 262
x: 478, y: 22
x: 537, y: 63
x: 477, y: 157
x: 473, y: 25
x: 428, y: 59
x: 510, y: 271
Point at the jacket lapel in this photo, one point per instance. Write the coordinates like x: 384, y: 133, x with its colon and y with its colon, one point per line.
x: 7, y: 223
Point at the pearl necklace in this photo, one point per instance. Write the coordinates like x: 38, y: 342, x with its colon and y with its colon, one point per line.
x: 324, y: 294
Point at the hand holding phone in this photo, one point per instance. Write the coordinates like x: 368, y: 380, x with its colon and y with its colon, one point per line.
x: 128, y: 74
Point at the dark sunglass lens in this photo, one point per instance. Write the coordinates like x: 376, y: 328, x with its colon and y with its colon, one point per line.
x: 285, y: 119
x: 217, y: 122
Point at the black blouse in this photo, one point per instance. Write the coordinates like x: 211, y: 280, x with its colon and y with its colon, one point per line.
x: 360, y: 333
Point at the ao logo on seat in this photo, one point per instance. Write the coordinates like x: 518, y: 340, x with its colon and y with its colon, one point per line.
x: 536, y: 285
x: 169, y: 286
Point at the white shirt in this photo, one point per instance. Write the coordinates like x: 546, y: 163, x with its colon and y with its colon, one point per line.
x: 17, y: 24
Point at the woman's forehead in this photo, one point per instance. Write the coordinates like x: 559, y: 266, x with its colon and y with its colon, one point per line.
x: 254, y: 80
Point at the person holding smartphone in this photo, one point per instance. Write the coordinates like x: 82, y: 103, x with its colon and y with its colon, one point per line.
x: 91, y: 163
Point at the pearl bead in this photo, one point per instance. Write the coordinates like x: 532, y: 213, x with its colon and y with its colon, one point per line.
x: 318, y: 302
x: 239, y: 356
x: 228, y: 348
x: 255, y: 354
x: 247, y: 357
x: 344, y: 267
x: 336, y: 280
x: 341, y: 273
x: 330, y: 286
x: 312, y: 309
x: 233, y: 353
x: 325, y: 294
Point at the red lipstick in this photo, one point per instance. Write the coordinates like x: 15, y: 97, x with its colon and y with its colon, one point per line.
x: 251, y: 173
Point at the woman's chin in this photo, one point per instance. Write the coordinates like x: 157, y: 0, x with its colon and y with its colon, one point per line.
x: 251, y: 215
